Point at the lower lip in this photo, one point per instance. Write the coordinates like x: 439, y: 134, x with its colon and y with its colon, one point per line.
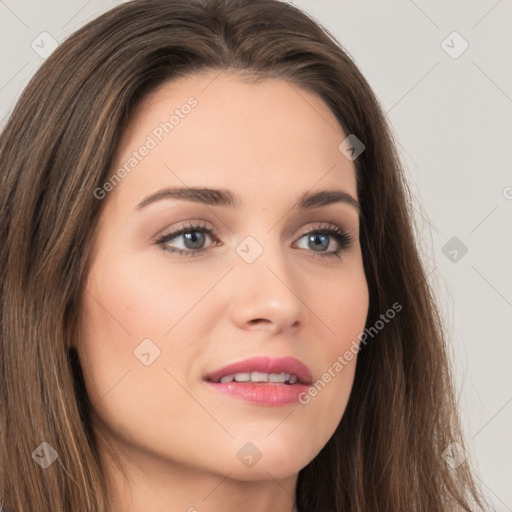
x: 262, y: 394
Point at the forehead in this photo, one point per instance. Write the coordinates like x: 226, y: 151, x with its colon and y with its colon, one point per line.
x: 219, y: 129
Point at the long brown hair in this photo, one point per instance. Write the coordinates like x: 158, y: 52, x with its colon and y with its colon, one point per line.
x: 57, y: 149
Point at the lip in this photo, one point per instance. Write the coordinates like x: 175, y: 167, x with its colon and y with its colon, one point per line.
x: 265, y: 364
x: 266, y: 394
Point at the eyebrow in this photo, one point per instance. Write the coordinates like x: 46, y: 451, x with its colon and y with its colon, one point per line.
x: 223, y: 197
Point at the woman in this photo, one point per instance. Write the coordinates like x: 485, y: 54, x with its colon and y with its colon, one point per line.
x: 211, y: 296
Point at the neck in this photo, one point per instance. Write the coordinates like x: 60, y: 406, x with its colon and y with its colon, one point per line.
x: 143, y: 483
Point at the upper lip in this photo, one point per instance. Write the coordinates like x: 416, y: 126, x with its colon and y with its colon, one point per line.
x: 265, y: 364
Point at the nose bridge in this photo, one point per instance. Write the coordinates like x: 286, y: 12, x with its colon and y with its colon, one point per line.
x: 262, y: 254
x: 266, y: 284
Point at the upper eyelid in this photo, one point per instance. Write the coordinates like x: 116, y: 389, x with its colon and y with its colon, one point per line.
x: 212, y: 232
x: 193, y: 226
x: 203, y: 225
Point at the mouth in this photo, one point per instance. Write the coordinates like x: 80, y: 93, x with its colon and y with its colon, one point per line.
x: 263, y: 380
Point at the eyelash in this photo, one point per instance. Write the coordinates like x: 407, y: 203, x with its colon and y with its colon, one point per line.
x: 343, y: 239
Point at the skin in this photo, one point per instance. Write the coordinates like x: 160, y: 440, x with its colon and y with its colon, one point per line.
x: 166, y: 440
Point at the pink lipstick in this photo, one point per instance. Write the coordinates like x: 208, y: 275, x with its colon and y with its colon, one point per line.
x: 263, y: 380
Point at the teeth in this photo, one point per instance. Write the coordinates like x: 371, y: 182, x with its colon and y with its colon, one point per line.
x: 260, y: 377
x: 276, y: 377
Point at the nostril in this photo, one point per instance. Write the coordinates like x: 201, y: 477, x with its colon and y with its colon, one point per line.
x: 259, y: 321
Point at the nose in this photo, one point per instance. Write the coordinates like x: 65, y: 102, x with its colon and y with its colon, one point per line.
x: 267, y: 295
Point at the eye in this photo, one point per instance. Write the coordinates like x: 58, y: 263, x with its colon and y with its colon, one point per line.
x: 194, y: 237
x: 319, y: 240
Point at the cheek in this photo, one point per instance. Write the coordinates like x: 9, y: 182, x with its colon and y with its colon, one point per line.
x: 125, y: 306
x: 344, y: 320
x: 119, y: 310
x: 340, y: 305
x: 126, y: 314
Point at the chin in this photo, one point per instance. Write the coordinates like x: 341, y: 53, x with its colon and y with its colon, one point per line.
x: 265, y: 471
x: 264, y: 460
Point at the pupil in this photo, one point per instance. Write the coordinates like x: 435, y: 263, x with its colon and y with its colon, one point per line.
x: 314, y: 239
x: 195, y: 237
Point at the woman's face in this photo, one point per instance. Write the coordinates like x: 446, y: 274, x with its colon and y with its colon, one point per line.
x: 181, y: 285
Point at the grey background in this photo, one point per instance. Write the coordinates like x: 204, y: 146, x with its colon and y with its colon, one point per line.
x: 452, y: 119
